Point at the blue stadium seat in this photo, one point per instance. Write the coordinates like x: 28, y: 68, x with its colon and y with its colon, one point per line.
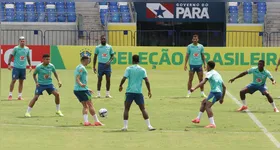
x: 30, y: 17
x: 233, y: 9
x: 125, y: 14
x: 39, y: 3
x: 51, y: 17
x: 50, y: 2
x: 20, y: 18
x: 126, y: 19
x: 102, y: 3
x: 70, y: 4
x: 19, y: 5
x: 71, y: 8
x: 60, y: 4
x: 39, y: 6
x: 116, y: 14
x: 71, y: 17
x: 125, y: 10
x: 113, y: 3
x: 261, y: 4
x: 10, y: 3
x: 114, y: 10
x: 247, y: 4
x: 10, y: 18
x: 40, y: 10
x: 233, y: 17
x: 113, y: 7
x: 61, y: 17
x: 30, y: 7
x: 41, y: 16
x: 102, y: 14
x: 115, y: 19
x: 103, y: 10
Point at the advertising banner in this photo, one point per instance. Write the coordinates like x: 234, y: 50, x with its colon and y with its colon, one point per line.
x: 181, y: 11
x: 169, y: 58
x: 36, y: 53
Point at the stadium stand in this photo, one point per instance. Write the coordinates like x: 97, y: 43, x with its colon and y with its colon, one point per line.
x: 38, y: 11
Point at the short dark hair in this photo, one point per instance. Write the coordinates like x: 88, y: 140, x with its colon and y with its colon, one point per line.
x: 195, y: 35
x: 262, y: 61
x: 46, y: 55
x: 211, y: 64
x: 84, y: 58
x: 135, y: 58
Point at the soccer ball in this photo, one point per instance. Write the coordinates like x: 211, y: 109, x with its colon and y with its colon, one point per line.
x: 103, y: 112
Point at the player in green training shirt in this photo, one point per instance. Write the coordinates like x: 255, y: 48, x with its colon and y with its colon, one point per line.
x: 105, y: 55
x: 135, y: 75
x: 83, y: 93
x: 218, y: 90
x: 195, y: 56
x: 44, y: 82
x: 259, y: 84
x: 21, y: 55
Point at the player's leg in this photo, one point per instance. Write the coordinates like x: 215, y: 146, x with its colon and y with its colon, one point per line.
x: 269, y: 98
x: 200, y: 78
x: 53, y: 91
x: 191, y: 74
x: 108, y: 84
x: 139, y: 99
x: 93, y: 114
x: 248, y: 89
x: 99, y: 81
x: 31, y: 104
x: 127, y: 103
x: 85, y: 112
x: 22, y: 77
x: 201, y: 110
x: 210, y: 115
x: 15, y: 77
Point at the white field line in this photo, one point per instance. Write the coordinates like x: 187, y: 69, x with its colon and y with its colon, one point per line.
x: 257, y: 122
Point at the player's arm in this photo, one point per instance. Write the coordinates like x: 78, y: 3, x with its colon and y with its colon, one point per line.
x: 278, y: 63
x: 148, y: 86
x: 271, y: 78
x: 121, y: 84
x: 224, y: 93
x: 239, y: 76
x: 10, y: 59
x: 78, y: 80
x: 203, y: 57
x: 29, y: 60
x: 186, y: 61
x: 95, y: 59
x: 111, y: 56
x: 56, y: 76
x: 35, y: 76
x: 200, y: 84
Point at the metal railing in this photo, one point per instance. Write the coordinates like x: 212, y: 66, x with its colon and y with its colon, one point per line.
x: 11, y: 37
x: 142, y: 37
x: 65, y: 37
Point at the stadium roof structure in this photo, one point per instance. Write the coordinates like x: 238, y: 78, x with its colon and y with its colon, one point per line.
x: 146, y: 0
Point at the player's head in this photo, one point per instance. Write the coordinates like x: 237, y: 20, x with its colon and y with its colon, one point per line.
x: 135, y: 59
x: 21, y: 40
x: 210, y: 65
x: 103, y: 40
x: 195, y: 38
x: 261, y: 64
x: 85, y: 60
x: 46, y: 59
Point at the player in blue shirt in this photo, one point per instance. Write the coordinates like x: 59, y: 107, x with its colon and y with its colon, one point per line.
x: 135, y: 75
x: 44, y: 83
x: 258, y: 84
x: 105, y: 55
x: 195, y: 57
x: 21, y: 56
x: 218, y: 90
x: 83, y: 93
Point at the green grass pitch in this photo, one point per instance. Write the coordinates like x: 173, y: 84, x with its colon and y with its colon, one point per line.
x: 170, y: 112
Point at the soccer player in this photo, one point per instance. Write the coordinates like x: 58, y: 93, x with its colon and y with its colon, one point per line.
x: 218, y: 90
x: 20, y: 54
x: 83, y: 93
x: 135, y: 75
x: 195, y: 54
x: 105, y: 55
x: 44, y: 82
x: 260, y: 74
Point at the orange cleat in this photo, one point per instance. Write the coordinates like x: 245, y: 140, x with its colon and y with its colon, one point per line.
x: 20, y: 98
x: 196, y: 120
x: 98, y: 124
x: 242, y: 108
x: 87, y: 124
x: 210, y: 126
x: 276, y: 110
x: 10, y: 98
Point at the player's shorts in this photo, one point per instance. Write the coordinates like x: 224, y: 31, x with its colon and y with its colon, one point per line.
x: 41, y: 88
x: 196, y: 68
x: 137, y: 97
x: 213, y: 97
x: 18, y: 74
x: 253, y: 88
x: 83, y: 95
x: 104, y: 69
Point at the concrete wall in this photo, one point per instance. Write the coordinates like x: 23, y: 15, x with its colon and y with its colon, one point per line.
x: 39, y: 33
